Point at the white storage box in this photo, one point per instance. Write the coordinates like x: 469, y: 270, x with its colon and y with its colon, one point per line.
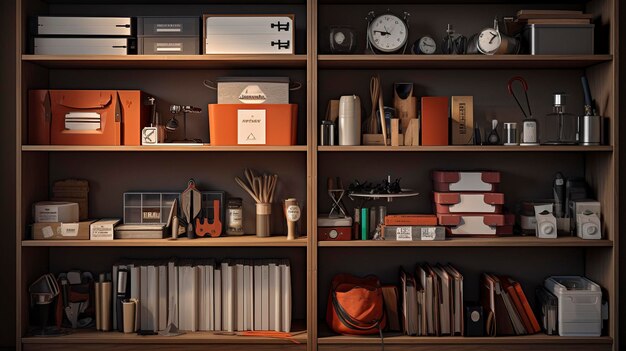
x: 249, y: 34
x: 84, y: 46
x: 83, y: 26
x: 580, y: 305
x: 51, y: 212
x: 103, y: 229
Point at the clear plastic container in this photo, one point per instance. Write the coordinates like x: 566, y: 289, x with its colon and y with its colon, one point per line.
x: 579, y: 306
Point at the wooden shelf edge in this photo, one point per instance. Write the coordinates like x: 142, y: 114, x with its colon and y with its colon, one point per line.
x: 468, y: 148
x: 234, y: 241
x: 94, y: 337
x: 163, y: 148
x: 475, y: 242
x: 459, y: 340
x: 461, y: 61
x: 167, y: 61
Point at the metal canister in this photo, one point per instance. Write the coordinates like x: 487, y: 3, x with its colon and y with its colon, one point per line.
x: 589, y: 130
x: 327, y: 133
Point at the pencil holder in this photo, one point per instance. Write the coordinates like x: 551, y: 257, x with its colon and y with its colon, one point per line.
x: 263, y: 214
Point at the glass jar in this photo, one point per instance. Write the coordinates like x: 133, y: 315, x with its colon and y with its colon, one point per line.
x: 560, y: 126
x: 234, y: 216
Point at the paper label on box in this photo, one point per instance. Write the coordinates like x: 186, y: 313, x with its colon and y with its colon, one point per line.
x: 429, y: 233
x: 101, y: 233
x: 47, y: 232
x: 69, y: 229
x: 47, y: 216
x: 251, y: 127
x: 404, y: 234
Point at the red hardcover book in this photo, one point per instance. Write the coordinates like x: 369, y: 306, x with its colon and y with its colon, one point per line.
x: 435, y: 113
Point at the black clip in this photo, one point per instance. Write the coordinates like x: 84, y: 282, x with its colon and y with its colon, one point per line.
x: 281, y: 26
x: 281, y: 44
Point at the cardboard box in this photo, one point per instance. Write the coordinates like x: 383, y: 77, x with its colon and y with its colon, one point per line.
x: 51, y: 212
x: 259, y: 124
x: 103, y: 229
x: 462, y: 118
x: 61, y: 231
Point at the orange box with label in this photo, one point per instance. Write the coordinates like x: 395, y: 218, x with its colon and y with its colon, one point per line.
x: 247, y: 124
x: 86, y: 117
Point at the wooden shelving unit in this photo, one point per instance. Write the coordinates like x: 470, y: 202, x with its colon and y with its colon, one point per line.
x: 527, y: 171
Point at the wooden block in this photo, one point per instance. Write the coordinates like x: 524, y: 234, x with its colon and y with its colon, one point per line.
x: 395, y: 132
x: 332, y: 110
x: 412, y: 133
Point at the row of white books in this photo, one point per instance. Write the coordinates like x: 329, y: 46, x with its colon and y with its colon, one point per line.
x: 201, y: 295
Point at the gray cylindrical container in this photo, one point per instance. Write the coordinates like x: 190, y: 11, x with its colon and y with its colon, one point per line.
x: 350, y: 120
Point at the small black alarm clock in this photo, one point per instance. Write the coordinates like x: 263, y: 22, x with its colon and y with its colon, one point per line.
x: 342, y: 40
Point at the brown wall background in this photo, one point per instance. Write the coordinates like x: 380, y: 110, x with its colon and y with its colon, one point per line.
x: 7, y: 175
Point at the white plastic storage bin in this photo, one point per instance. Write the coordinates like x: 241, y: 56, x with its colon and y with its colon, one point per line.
x: 579, y: 307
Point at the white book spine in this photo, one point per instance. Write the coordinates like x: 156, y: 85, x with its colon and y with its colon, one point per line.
x: 163, y: 287
x: 258, y: 302
x: 210, y: 300
x: 239, y: 290
x: 265, y: 297
x: 217, y: 290
x: 286, y: 297
x: 143, y: 302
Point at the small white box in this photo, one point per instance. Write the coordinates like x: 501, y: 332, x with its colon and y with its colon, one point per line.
x: 51, y: 212
x: 103, y: 229
x: 579, y: 306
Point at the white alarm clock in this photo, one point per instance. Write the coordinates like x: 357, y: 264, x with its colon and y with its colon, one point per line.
x: 489, y: 41
x: 387, y: 33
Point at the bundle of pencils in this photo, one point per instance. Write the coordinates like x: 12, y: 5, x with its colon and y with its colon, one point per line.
x: 261, y: 188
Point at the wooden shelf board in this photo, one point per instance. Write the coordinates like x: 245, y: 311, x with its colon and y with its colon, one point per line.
x: 515, y: 241
x: 96, y: 337
x: 460, y: 61
x: 459, y: 340
x: 238, y: 241
x: 468, y: 148
x: 162, y: 148
x: 167, y: 61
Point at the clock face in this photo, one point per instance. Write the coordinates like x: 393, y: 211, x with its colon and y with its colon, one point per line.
x: 489, y: 41
x: 387, y: 33
x: 427, y: 45
x: 339, y: 38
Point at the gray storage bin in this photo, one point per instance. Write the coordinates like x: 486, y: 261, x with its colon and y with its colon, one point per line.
x: 168, y: 26
x: 168, y: 46
x: 559, y: 39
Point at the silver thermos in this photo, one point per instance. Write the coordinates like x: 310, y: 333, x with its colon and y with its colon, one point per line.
x: 589, y: 131
x: 350, y: 120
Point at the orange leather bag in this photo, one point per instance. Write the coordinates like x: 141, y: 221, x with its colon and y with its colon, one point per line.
x: 355, y: 305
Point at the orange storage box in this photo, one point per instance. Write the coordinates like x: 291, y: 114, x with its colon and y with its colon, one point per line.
x: 86, y: 117
x: 280, y: 124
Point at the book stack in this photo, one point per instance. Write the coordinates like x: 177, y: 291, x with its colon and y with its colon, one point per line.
x: 507, y: 311
x: 431, y: 301
x: 410, y: 227
x: 552, y: 17
x: 202, y: 295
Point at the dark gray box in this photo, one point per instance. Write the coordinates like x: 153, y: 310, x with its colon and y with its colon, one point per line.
x: 168, y: 46
x: 168, y: 27
x: 559, y: 39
